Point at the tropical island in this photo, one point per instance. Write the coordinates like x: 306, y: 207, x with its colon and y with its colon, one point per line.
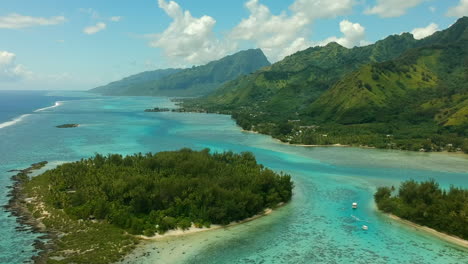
x: 68, y: 126
x: 426, y: 204
x: 95, y: 209
x: 398, y: 93
x: 157, y: 109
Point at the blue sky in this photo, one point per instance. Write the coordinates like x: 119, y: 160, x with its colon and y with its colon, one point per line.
x: 80, y: 44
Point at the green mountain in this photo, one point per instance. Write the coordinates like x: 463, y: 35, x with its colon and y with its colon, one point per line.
x: 427, y: 81
x: 412, y: 84
x: 120, y: 87
x: 397, y: 93
x: 291, y: 84
x: 195, y: 81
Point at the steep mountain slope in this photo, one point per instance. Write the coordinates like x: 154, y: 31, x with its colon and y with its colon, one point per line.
x: 289, y: 85
x: 199, y: 80
x: 416, y: 82
x: 120, y: 87
x: 398, y: 93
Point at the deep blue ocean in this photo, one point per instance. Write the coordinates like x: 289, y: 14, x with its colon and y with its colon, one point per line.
x: 14, y: 104
x: 318, y: 226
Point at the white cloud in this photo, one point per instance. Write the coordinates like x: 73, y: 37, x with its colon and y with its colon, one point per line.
x: 192, y: 40
x: 188, y: 39
x: 354, y: 35
x: 283, y: 34
x: 15, y: 21
x: 91, y: 12
x: 269, y: 32
x: 115, y: 18
x: 392, y: 8
x: 94, y: 29
x: 460, y: 10
x: 298, y: 45
x: 314, y: 9
x: 16, y: 76
x: 420, y: 33
x: 9, y: 70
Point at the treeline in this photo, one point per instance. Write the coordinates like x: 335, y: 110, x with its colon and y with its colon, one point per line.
x: 398, y: 134
x: 399, y: 93
x: 427, y: 204
x: 150, y: 193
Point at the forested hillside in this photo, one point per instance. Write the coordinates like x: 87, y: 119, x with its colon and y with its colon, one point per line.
x: 120, y: 87
x: 195, y: 81
x: 397, y: 93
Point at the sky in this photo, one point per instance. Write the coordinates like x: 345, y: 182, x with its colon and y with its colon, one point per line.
x: 82, y: 44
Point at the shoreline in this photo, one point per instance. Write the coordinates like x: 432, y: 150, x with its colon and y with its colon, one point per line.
x: 46, y: 243
x: 427, y: 230
x: 17, y: 206
x: 195, y: 230
x: 338, y: 145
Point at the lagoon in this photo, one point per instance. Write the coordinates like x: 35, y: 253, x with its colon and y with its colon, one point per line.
x: 318, y: 226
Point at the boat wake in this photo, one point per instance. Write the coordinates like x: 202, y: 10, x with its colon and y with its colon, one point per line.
x: 57, y: 104
x: 358, y: 219
x: 14, y: 121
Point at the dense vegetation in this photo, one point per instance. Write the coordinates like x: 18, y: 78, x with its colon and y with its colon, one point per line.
x: 67, y: 126
x: 398, y: 93
x: 120, y: 87
x: 427, y: 204
x: 144, y: 194
x: 194, y: 81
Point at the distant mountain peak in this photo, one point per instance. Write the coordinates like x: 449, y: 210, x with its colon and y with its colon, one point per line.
x: 193, y: 81
x: 334, y: 44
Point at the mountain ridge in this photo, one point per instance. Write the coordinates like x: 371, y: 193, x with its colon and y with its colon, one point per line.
x: 413, y: 91
x: 198, y: 80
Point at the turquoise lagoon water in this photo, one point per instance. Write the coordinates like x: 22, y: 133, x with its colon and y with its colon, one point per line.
x: 318, y: 226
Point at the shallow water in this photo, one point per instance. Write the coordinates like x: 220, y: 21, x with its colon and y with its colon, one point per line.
x: 318, y: 226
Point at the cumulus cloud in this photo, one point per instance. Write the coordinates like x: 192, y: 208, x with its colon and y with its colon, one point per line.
x: 94, y: 29
x: 353, y: 35
x: 283, y: 34
x: 15, y: 21
x: 298, y: 45
x: 314, y: 9
x: 115, y: 18
x: 91, y: 12
x: 9, y: 70
x: 269, y: 32
x: 392, y: 8
x: 420, y: 33
x: 460, y: 10
x: 192, y: 40
x: 188, y: 39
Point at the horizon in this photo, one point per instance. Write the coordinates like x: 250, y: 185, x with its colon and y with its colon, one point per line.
x: 80, y: 46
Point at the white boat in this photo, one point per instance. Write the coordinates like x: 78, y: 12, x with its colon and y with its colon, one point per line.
x: 354, y: 205
x: 364, y: 227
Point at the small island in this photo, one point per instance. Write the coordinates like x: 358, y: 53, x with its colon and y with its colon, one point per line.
x: 157, y: 109
x: 68, y: 126
x: 96, y: 210
x: 428, y: 205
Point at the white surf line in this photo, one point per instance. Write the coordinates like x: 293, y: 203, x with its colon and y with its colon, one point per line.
x: 21, y: 118
x: 14, y: 121
x: 58, y: 103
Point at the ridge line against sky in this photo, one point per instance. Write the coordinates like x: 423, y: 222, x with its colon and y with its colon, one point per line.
x: 63, y: 45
